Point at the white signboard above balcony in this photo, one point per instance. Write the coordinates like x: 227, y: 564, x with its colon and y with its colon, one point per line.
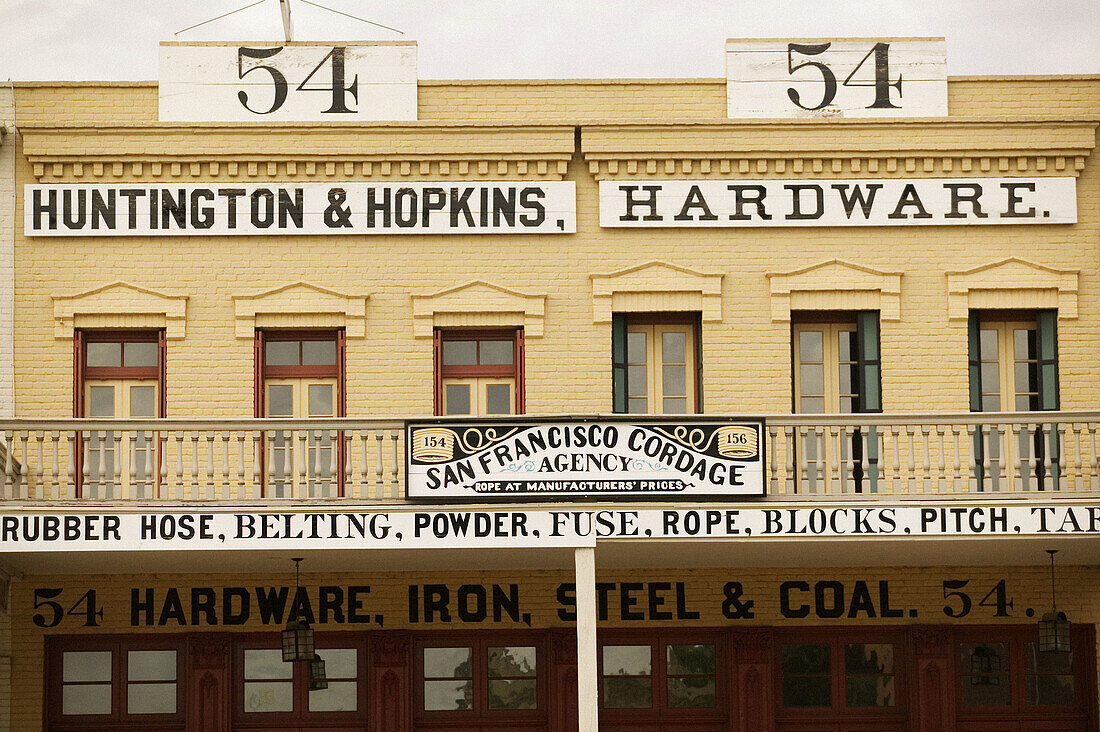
x: 836, y: 77
x: 292, y: 82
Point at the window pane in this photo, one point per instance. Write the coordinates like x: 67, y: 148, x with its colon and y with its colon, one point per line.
x: 101, y: 401
x: 340, y: 663
x: 627, y: 693
x: 806, y: 659
x: 1050, y: 690
x: 677, y: 405
x: 151, y: 698
x: 319, y: 353
x: 496, y: 353
x: 869, y: 658
x: 320, y: 400
x: 281, y: 353
x: 269, y: 696
x: 811, y: 379
x: 1024, y: 344
x: 508, y: 662
x: 86, y: 699
x: 448, y: 663
x: 984, y: 658
x: 674, y: 380
x: 690, y: 659
x: 340, y: 696
x: 807, y: 691
x: 637, y: 381
x: 140, y: 354
x: 812, y: 405
x: 104, y: 354
x: 810, y: 346
x: 1047, y: 663
x: 638, y: 405
x: 691, y: 692
x: 498, y: 398
x: 627, y: 661
x: 870, y: 691
x: 143, y: 401
x: 991, y: 403
x: 987, y: 348
x: 636, y: 347
x: 673, y: 347
x: 991, y: 375
x: 985, y: 679
x: 459, y: 353
x: 448, y: 695
x: 266, y: 664
x: 151, y: 665
x: 280, y: 400
x: 986, y: 691
x: 86, y: 666
x: 458, y: 398
x: 513, y: 694
x: 846, y: 346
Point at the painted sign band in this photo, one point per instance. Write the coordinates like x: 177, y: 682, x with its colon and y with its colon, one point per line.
x: 517, y: 461
x: 869, y: 202
x: 283, y: 208
x: 568, y: 527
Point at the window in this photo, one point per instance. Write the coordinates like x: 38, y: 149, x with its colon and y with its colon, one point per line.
x: 1003, y: 676
x: 119, y: 375
x: 1014, y: 368
x: 844, y: 676
x: 105, y: 680
x: 662, y: 677
x: 656, y: 364
x: 479, y: 680
x: 836, y: 371
x: 271, y: 689
x: 300, y: 375
x: 478, y: 372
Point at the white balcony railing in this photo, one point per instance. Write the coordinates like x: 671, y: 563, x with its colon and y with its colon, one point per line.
x: 363, y: 460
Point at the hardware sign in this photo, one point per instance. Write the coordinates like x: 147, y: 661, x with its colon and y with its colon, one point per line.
x: 540, y: 461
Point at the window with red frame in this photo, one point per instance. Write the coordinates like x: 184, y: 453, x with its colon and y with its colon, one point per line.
x: 118, y: 375
x: 96, y: 682
x: 479, y: 372
x: 301, y: 375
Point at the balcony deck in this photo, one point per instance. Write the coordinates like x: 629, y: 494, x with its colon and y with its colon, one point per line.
x: 325, y: 461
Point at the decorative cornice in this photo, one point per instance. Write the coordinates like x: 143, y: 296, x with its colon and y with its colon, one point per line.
x: 1012, y: 283
x: 662, y: 286
x: 494, y: 303
x: 120, y: 300
x: 343, y: 309
x: 835, y: 285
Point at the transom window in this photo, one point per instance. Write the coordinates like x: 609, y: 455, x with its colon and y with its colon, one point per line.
x: 269, y: 688
x: 479, y: 373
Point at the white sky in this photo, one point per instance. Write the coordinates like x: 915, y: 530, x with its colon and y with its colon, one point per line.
x: 117, y: 39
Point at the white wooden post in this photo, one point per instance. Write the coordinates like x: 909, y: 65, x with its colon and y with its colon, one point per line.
x: 587, y: 686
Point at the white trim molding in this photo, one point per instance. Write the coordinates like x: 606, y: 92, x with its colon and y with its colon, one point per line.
x: 835, y: 285
x: 1012, y: 283
x: 120, y: 305
x: 300, y: 304
x: 656, y: 286
x: 478, y: 304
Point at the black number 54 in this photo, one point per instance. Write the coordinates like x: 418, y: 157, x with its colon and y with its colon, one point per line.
x: 950, y: 590
x: 55, y: 612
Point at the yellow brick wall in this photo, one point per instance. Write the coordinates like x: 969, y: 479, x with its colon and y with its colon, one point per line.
x: 910, y: 589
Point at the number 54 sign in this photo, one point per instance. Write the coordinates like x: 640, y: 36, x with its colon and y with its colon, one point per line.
x: 218, y: 82
x: 849, y: 77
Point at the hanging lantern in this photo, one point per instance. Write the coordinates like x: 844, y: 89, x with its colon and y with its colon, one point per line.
x: 1054, y: 627
x: 298, y: 636
x: 317, y: 678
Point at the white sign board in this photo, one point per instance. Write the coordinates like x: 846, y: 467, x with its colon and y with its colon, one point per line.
x: 881, y: 202
x: 574, y: 526
x: 225, y: 209
x: 306, y: 82
x: 517, y: 461
x: 836, y: 77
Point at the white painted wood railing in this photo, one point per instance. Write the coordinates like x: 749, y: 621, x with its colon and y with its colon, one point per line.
x: 363, y: 460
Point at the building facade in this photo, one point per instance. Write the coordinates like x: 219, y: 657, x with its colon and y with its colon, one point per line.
x: 212, y: 378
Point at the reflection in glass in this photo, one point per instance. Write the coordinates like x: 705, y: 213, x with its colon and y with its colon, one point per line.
x: 627, y: 692
x: 151, y: 665
x: 448, y: 663
x: 806, y: 680
x: 269, y: 696
x: 266, y: 664
x: 448, y: 696
x: 512, y: 661
x: 627, y: 661
x: 692, y: 692
x: 340, y: 696
x: 985, y: 674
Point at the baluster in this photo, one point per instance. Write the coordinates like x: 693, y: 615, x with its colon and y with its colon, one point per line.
x: 395, y: 465
x: 987, y: 461
x: 789, y: 436
x: 117, y: 488
x: 1094, y: 477
x: 166, y: 491
x: 55, y: 472
x: 82, y: 446
x: 773, y: 462
x: 259, y: 476
x: 24, y: 469
x: 1078, y: 464
x: 364, y: 439
x: 226, y: 489
x: 895, y: 468
x: 1014, y: 466
x: 240, y: 487
x: 39, y: 468
x: 182, y: 489
x: 848, y: 474
x: 8, y: 484
x: 957, y: 485
x: 941, y: 485
x: 1060, y: 467
x: 301, y: 476
x: 378, y: 436
x: 911, y: 463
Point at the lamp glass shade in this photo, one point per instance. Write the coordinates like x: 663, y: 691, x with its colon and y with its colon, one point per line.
x: 1054, y: 633
x: 317, y: 678
x: 298, y: 642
